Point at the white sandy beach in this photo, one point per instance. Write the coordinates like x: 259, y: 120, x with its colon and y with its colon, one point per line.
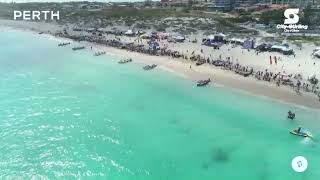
x: 303, y: 63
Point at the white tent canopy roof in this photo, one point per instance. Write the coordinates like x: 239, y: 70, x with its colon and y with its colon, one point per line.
x: 317, y: 53
x: 237, y: 40
x: 129, y: 32
x: 316, y: 49
x: 281, y: 47
x: 179, y: 37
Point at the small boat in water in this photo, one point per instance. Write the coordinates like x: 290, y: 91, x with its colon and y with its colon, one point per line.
x: 99, y: 53
x: 300, y: 132
x: 78, y: 48
x: 203, y: 82
x: 149, y: 67
x: 63, y: 44
x: 124, y: 61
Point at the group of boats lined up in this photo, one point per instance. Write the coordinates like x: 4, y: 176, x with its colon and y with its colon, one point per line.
x: 297, y: 132
x: 99, y: 53
x: 76, y: 48
x: 150, y: 67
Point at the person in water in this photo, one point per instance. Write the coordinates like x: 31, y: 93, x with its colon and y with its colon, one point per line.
x: 291, y: 115
x: 298, y: 130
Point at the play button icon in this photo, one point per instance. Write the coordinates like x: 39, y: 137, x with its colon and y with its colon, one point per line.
x: 299, y: 164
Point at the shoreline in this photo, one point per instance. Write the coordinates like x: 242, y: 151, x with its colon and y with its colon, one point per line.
x: 227, y: 79
x: 222, y: 78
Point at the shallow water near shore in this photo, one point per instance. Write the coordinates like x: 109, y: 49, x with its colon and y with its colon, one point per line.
x: 69, y: 115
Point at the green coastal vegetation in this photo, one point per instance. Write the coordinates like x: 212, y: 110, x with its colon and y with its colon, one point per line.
x: 185, y: 19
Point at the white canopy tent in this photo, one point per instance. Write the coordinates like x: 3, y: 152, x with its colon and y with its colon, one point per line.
x: 317, y: 53
x: 316, y: 49
x: 129, y: 32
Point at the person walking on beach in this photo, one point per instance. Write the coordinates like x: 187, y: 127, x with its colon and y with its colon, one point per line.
x: 190, y: 66
x: 270, y: 60
x: 298, y: 86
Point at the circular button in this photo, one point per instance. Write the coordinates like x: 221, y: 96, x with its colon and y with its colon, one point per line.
x: 299, y: 164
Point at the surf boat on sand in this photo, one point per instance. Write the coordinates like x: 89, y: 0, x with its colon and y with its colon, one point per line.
x: 149, y: 67
x: 301, y: 132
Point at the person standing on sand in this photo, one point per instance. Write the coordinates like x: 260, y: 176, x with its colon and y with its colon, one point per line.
x: 298, y: 86
x: 190, y: 66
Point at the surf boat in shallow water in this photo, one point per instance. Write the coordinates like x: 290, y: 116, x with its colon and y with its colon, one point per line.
x: 78, y: 48
x: 203, y: 82
x: 301, y: 132
x: 63, y: 44
x: 124, y: 61
x: 99, y: 53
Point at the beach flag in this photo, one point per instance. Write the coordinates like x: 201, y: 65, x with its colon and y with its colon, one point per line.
x: 270, y: 60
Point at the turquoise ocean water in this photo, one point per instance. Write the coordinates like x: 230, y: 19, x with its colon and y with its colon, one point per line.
x: 71, y: 115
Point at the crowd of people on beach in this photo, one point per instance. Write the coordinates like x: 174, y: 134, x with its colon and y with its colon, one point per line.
x: 279, y: 78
